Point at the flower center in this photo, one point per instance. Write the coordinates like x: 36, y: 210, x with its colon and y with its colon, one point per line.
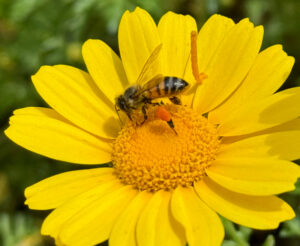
x: 152, y: 157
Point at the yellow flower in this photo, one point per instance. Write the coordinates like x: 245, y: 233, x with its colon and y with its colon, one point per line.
x: 232, y: 153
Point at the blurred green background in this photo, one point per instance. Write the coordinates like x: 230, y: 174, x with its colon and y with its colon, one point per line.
x: 38, y: 32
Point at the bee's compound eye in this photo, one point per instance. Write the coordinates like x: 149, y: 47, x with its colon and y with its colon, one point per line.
x: 121, y: 103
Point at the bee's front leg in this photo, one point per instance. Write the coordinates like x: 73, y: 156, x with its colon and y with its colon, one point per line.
x: 129, y: 115
x: 144, y: 113
x: 155, y: 103
x: 175, y: 100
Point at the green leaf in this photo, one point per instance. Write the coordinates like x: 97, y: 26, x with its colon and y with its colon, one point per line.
x: 270, y: 241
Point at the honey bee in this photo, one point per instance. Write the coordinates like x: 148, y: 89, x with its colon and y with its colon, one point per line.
x: 140, y: 96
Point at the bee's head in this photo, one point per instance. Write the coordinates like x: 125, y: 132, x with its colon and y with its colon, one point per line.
x: 121, y: 103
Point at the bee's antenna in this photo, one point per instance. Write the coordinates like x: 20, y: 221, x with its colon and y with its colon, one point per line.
x: 117, y: 111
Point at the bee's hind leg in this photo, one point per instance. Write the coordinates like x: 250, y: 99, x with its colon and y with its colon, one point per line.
x: 171, y: 125
x: 144, y: 113
x: 175, y: 100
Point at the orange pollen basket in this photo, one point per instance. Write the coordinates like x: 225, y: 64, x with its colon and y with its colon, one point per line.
x: 163, y: 114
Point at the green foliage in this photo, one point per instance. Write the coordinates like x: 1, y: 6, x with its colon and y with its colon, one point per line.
x: 19, y: 230
x: 39, y: 32
x: 270, y: 241
x: 291, y: 228
x: 237, y: 235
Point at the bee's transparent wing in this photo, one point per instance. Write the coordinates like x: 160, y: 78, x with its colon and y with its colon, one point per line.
x: 152, y: 82
x: 151, y: 67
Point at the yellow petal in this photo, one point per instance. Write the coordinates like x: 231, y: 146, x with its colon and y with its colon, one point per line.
x: 209, y: 38
x: 271, y: 111
x: 211, y: 35
x: 56, y: 220
x: 254, y: 176
x: 271, y: 68
x: 283, y: 145
x: 93, y: 224
x: 45, y: 132
x: 56, y: 190
x: 175, y: 34
x: 123, y: 232
x: 105, y: 67
x: 229, y: 65
x: 156, y: 226
x: 202, y: 225
x: 138, y: 37
x: 68, y: 91
x: 258, y: 212
x: 292, y: 125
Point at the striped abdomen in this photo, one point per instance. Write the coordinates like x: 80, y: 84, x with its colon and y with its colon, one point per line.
x: 169, y: 86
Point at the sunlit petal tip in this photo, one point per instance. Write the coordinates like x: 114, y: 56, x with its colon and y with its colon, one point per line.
x: 174, y: 15
x: 54, y: 191
x: 245, y: 40
x: 245, y: 20
x: 40, y: 70
x: 173, y: 26
x: 221, y: 19
x: 282, y: 52
x: 288, y: 212
x: 26, y: 203
x: 92, y: 42
x: 105, y: 67
x: 138, y: 37
x: 254, y: 176
x: 137, y: 10
x: 246, y: 23
x: 216, y: 16
x: 86, y: 43
x: 278, y: 48
x: 260, y: 29
x: 171, y: 13
x: 259, y: 212
x: 292, y: 60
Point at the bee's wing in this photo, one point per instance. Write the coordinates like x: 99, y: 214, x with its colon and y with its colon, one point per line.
x: 150, y: 68
x: 152, y: 82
